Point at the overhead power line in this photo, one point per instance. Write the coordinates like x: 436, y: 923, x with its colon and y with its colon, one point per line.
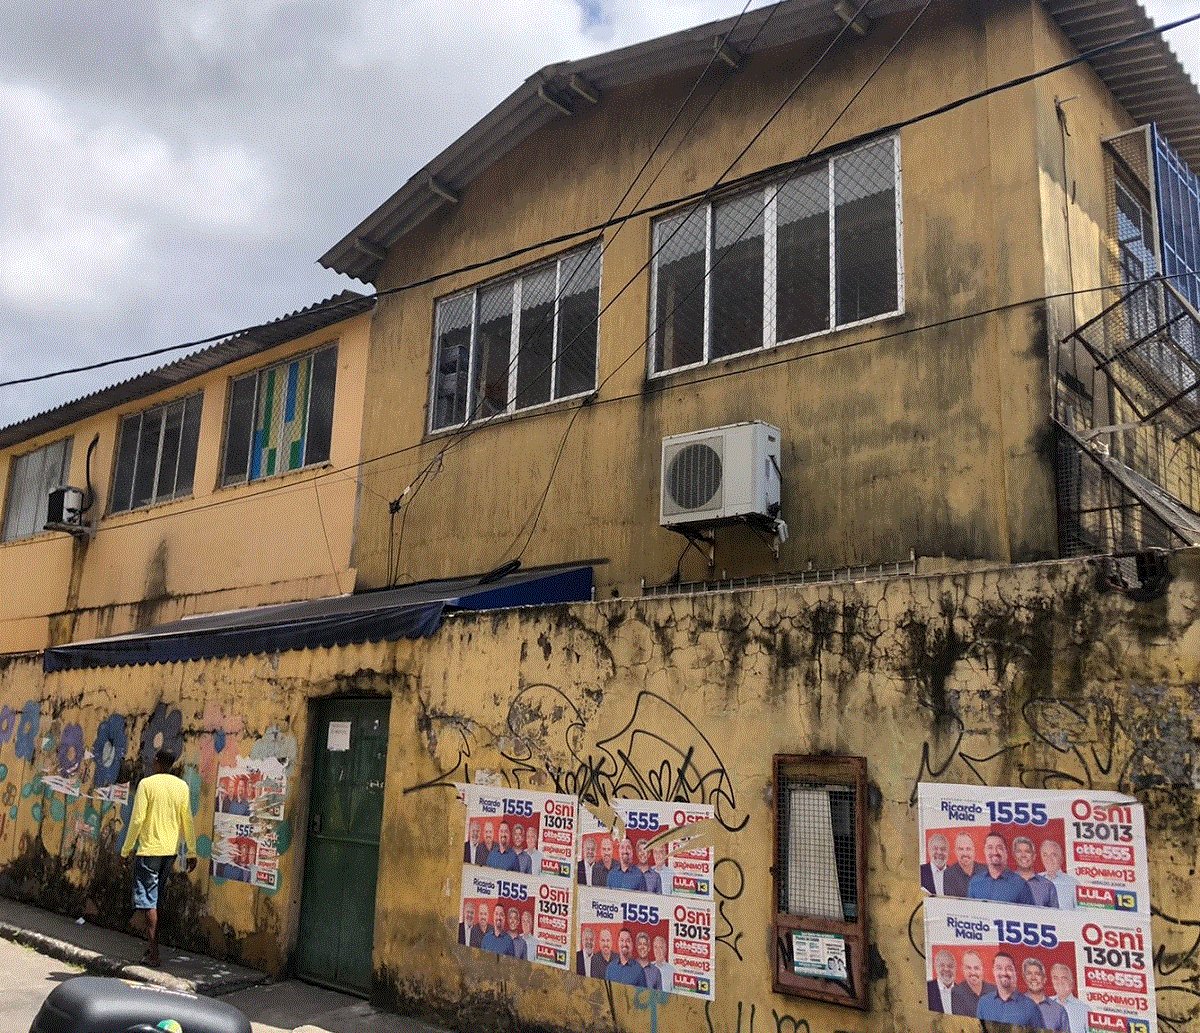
x: 652, y: 209
x: 655, y: 387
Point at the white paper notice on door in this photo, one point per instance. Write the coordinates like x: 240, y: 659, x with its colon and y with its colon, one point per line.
x: 339, y: 737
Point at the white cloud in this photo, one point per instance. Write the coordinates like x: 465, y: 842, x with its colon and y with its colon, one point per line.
x: 172, y: 168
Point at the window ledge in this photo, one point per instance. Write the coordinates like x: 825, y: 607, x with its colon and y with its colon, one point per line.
x: 755, y: 355
x: 272, y: 480
x: 557, y: 405
x: 136, y: 510
x: 37, y: 536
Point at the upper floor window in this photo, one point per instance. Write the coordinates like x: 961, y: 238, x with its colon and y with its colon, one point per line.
x: 797, y: 257
x: 32, y: 478
x: 156, y: 454
x: 280, y: 418
x: 518, y: 342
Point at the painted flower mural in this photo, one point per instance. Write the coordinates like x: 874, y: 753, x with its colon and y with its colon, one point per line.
x: 109, y: 749
x: 220, y: 740
x: 28, y: 725
x: 164, y: 731
x: 70, y: 750
x: 8, y: 722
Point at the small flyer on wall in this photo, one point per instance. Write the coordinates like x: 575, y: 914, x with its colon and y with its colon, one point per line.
x: 663, y: 943
x: 518, y: 830
x: 818, y: 955
x: 1044, y: 848
x: 645, y: 858
x: 1082, y: 971
x: 523, y: 916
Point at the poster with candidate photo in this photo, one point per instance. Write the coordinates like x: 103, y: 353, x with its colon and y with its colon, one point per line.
x: 1061, y: 849
x: 252, y: 788
x: 520, y: 916
x: 643, y: 940
x: 646, y: 855
x: 1081, y: 971
x: 250, y: 798
x: 521, y: 831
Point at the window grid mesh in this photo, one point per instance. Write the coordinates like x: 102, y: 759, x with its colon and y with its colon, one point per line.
x: 817, y: 835
x: 779, y: 261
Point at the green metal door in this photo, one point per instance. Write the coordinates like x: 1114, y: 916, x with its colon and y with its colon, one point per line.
x: 337, y: 912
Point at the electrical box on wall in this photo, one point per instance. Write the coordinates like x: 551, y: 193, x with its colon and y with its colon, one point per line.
x: 720, y: 475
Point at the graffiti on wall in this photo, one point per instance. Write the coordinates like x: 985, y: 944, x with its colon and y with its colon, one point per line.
x: 1143, y: 747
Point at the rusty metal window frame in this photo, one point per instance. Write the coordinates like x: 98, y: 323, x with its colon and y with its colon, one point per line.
x: 845, y: 883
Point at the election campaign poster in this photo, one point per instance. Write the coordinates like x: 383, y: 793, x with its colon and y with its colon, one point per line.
x: 249, y: 805
x: 1062, y: 849
x: 245, y: 850
x: 1082, y: 971
x: 646, y: 855
x: 522, y: 916
x: 662, y: 943
x: 254, y: 788
x: 518, y: 830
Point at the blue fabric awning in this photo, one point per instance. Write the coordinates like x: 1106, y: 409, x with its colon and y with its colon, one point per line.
x: 413, y: 611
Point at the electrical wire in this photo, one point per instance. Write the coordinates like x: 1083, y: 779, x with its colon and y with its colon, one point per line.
x: 654, y: 387
x: 708, y: 272
x: 470, y: 419
x: 652, y: 209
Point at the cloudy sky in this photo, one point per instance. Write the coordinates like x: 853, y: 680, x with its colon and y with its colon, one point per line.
x: 172, y: 169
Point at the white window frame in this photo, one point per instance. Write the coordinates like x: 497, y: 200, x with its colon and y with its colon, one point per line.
x: 67, y: 444
x: 517, y: 279
x: 770, y: 194
x: 155, y: 500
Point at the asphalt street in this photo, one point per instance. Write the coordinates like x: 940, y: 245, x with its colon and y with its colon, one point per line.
x: 26, y: 978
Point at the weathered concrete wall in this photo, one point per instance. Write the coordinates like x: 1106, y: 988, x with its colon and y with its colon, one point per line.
x: 900, y: 435
x: 1040, y: 675
x: 162, y: 562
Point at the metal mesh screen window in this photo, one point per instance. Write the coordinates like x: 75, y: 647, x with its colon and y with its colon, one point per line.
x: 818, y: 856
x: 519, y: 342
x: 1177, y: 189
x: 781, y: 261
x: 819, y: 872
x: 280, y: 418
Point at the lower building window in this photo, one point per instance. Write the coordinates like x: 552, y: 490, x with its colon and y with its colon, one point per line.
x: 820, y: 878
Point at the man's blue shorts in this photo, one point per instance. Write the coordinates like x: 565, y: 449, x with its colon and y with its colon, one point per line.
x: 149, y: 876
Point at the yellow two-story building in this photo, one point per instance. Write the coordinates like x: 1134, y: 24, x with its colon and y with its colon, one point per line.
x: 901, y: 294
x: 876, y: 251
x: 223, y: 480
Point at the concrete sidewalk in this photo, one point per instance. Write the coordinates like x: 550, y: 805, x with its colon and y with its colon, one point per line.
x: 109, y: 953
x: 284, y: 1007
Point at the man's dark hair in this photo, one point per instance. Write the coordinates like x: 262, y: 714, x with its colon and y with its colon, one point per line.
x: 165, y: 759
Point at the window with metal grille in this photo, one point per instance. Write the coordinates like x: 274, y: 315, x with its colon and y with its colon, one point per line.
x: 518, y: 342
x: 818, y: 250
x: 31, y: 479
x: 156, y: 455
x: 820, y: 878
x: 280, y: 418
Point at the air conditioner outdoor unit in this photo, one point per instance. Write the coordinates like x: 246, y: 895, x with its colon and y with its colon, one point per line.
x: 64, y: 511
x: 720, y: 475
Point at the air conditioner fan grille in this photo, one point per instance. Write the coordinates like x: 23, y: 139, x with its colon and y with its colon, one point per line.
x: 694, y: 476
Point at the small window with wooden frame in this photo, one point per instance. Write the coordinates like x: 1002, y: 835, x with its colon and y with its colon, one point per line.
x: 820, y: 878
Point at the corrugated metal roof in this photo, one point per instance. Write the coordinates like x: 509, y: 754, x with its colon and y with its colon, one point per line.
x: 250, y: 342
x: 1146, y: 78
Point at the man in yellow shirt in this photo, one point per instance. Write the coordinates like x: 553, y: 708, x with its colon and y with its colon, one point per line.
x: 162, y: 815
